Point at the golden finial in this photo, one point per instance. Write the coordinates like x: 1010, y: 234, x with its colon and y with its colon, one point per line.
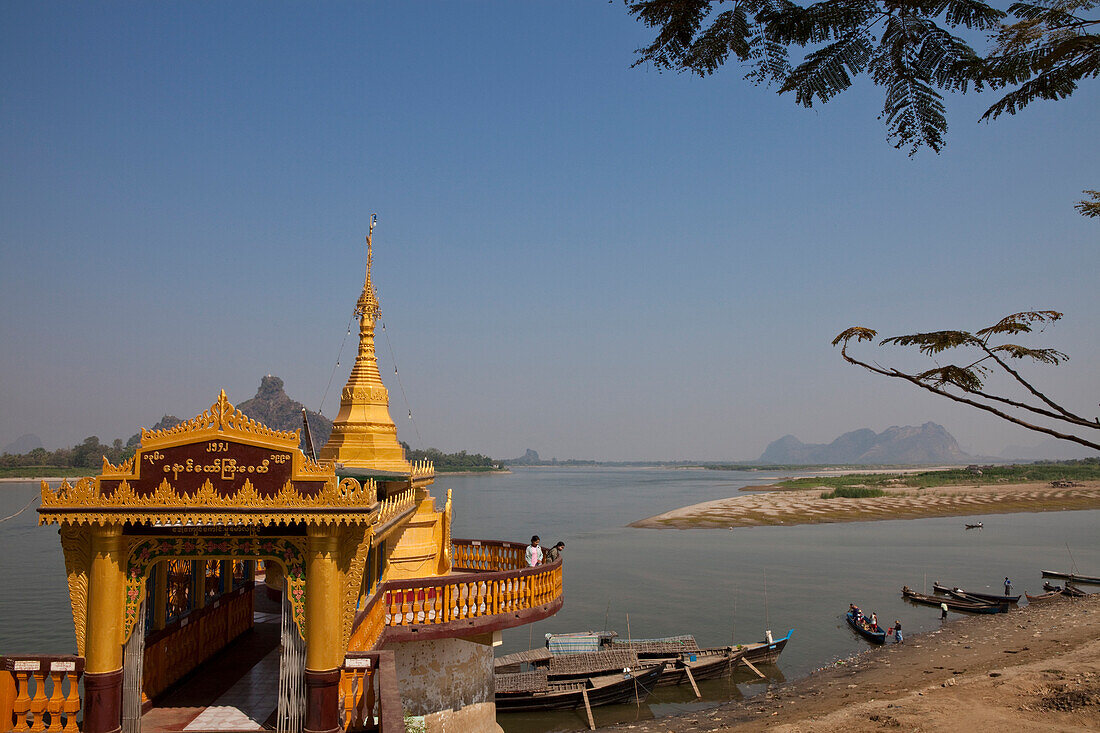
x: 368, y: 301
x: 370, y: 250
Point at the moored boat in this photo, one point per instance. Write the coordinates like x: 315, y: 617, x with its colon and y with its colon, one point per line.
x: 1068, y: 590
x: 953, y: 603
x: 1072, y: 577
x: 863, y: 627
x: 704, y: 664
x: 535, y: 691
x: 767, y: 651
x: 1043, y: 596
x: 973, y: 595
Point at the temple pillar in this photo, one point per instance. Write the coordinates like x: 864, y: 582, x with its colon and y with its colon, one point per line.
x: 324, y: 618
x: 198, y: 583
x: 103, y: 637
x: 160, y: 595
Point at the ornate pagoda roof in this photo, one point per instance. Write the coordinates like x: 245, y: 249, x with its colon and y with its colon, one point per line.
x: 219, y: 468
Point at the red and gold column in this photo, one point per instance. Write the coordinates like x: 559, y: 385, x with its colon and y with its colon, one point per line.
x: 323, y: 625
x: 103, y: 638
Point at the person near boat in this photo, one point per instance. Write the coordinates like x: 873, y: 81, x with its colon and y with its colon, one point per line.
x: 1008, y: 585
x: 874, y: 620
x: 897, y: 632
x: 943, y: 611
x: 533, y: 553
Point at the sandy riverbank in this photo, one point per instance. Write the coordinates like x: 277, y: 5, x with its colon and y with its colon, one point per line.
x: 805, y: 506
x: 1032, y: 669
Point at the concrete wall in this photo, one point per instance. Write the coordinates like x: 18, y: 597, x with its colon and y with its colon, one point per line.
x: 449, y: 682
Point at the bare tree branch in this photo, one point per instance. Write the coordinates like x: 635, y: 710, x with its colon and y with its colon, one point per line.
x: 987, y: 408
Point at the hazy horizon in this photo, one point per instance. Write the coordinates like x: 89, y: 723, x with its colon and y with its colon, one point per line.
x: 572, y: 255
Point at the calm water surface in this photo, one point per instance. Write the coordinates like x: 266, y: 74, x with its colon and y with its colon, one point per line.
x: 719, y: 585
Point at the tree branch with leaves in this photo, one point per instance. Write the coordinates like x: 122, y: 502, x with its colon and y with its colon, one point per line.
x: 914, y: 49
x: 967, y: 383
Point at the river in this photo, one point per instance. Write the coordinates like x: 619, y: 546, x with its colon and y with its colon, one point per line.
x: 719, y: 585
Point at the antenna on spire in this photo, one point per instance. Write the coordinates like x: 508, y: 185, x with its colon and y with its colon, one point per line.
x: 370, y: 235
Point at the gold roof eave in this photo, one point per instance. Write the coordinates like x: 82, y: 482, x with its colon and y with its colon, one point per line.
x: 346, y: 502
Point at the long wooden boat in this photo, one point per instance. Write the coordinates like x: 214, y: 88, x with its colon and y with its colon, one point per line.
x: 534, y: 691
x: 766, y: 652
x: 667, y: 647
x: 1069, y: 590
x: 1072, y: 577
x: 863, y: 627
x: 1043, y: 596
x: 955, y: 604
x: 973, y: 595
x: 704, y: 664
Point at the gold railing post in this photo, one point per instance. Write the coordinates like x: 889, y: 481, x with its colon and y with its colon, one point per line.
x: 22, y: 703
x: 55, y: 702
x: 72, y: 702
x: 38, y: 702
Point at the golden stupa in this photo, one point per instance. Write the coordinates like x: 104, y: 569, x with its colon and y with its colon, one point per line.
x: 364, y: 436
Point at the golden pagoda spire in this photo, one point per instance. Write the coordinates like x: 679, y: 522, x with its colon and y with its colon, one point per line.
x: 363, y: 434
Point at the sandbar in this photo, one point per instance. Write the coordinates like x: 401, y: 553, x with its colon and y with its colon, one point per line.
x: 805, y: 506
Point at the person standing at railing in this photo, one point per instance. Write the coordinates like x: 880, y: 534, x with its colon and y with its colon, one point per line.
x: 553, y: 553
x: 533, y: 554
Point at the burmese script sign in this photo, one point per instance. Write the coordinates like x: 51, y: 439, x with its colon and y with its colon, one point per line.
x: 227, y: 464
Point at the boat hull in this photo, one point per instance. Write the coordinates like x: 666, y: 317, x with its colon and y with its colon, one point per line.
x: 965, y: 594
x: 1072, y: 577
x: 606, y: 690
x: 954, y: 603
x: 709, y: 664
x: 876, y: 637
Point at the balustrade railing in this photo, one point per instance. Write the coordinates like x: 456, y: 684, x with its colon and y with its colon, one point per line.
x: 369, y: 698
x: 490, y: 580
x: 487, y: 555
x: 46, y: 694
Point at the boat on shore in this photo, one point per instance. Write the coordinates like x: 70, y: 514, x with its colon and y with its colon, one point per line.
x: 762, y: 652
x: 1072, y: 577
x: 535, y: 691
x: 682, y: 658
x: 972, y: 595
x: 1068, y: 590
x: 702, y: 664
x: 1043, y: 596
x: 953, y: 603
x: 863, y: 627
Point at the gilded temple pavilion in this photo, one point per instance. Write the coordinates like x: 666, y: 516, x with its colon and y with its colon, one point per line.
x: 383, y: 613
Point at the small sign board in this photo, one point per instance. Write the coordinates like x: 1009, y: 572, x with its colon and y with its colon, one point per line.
x: 63, y: 666
x: 357, y: 663
x: 25, y: 665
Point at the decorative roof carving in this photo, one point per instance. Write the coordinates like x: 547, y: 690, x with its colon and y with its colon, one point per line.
x: 218, y: 468
x: 348, y: 502
x: 222, y: 417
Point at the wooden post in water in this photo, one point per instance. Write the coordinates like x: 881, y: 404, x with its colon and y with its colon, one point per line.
x: 588, y: 709
x: 753, y: 668
x: 691, y: 679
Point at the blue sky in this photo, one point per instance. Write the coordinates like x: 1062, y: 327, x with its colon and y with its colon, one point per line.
x: 572, y: 255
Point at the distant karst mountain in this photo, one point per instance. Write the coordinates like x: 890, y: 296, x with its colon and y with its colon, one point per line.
x: 929, y: 443
x: 23, y: 444
x: 530, y: 458
x: 275, y: 409
x: 272, y: 407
